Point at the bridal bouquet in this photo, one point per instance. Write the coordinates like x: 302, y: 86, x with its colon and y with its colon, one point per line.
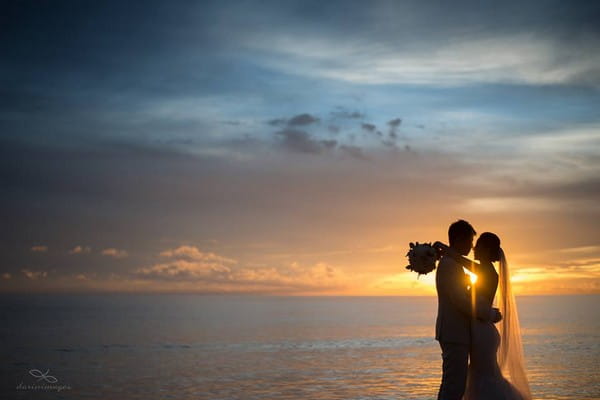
x: 422, y: 258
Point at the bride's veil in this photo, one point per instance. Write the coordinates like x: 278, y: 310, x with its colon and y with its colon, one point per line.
x: 510, y: 353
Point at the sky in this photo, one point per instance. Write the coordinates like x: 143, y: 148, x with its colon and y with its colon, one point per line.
x: 295, y: 147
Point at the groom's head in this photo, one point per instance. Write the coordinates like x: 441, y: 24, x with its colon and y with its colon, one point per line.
x: 460, y: 236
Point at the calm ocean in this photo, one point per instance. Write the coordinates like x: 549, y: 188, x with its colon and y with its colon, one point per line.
x: 253, y: 347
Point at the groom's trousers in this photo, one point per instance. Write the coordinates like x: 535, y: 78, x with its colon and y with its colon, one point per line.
x: 455, y: 363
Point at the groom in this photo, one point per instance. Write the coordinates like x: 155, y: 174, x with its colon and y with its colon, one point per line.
x: 453, y: 324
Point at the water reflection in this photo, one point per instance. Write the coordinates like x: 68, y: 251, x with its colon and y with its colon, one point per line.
x: 327, y: 348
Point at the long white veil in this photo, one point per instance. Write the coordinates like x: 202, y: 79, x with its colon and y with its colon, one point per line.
x: 510, y: 353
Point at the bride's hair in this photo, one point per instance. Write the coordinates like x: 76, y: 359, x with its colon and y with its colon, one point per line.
x: 491, y: 243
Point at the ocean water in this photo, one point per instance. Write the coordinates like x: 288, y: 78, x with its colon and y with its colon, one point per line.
x: 253, y: 347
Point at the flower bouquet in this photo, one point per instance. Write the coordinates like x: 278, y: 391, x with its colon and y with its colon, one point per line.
x: 422, y: 258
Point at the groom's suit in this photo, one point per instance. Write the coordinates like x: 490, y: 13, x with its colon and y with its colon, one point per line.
x: 453, y: 326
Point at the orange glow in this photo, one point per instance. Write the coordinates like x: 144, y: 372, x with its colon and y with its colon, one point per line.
x: 472, y: 276
x: 373, y: 266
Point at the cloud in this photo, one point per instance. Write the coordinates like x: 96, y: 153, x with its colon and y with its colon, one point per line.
x: 520, y: 203
x: 181, y: 269
x: 581, y: 249
x: 579, y: 275
x: 115, y: 253
x: 189, y: 262
x: 500, y: 58
x: 193, y: 253
x: 277, y: 122
x: 395, y: 123
x: 294, y: 277
x: 390, y: 143
x: 34, y: 274
x: 302, y: 142
x: 368, y: 127
x: 297, y: 120
x: 80, y: 250
x: 208, y: 271
x: 354, y: 151
x: 39, y: 249
x: 302, y: 119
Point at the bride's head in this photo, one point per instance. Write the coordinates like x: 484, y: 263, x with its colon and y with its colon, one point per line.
x: 487, y: 247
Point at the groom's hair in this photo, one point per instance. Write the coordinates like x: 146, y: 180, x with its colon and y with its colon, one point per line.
x: 459, y: 230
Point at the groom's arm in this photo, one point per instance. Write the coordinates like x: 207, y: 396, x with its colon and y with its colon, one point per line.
x: 460, y: 259
x: 455, y: 283
x: 455, y: 287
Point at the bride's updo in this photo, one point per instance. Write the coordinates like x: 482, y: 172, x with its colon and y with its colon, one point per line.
x: 489, y: 243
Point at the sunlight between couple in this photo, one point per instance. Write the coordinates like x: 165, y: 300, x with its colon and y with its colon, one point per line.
x: 474, y: 352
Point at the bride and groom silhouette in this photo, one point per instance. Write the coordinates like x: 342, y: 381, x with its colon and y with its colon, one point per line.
x: 474, y: 352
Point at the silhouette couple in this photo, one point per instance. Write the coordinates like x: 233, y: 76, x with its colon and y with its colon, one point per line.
x: 474, y: 352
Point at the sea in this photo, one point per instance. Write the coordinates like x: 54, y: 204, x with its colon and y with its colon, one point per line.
x: 187, y: 346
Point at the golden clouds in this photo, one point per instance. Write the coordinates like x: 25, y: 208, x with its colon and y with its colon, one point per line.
x: 34, y: 274
x: 39, y: 249
x: 80, y: 250
x: 115, y: 253
x: 194, y: 253
x: 191, y: 269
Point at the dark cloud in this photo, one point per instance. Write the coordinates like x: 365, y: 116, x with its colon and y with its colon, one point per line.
x: 277, y: 122
x: 297, y: 120
x: 395, y: 123
x: 354, y: 151
x: 302, y: 119
x: 368, y: 127
x: 302, y: 142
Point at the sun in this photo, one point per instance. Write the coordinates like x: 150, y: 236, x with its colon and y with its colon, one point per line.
x: 472, y: 276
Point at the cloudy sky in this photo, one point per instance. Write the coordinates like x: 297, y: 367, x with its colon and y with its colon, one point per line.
x: 295, y: 147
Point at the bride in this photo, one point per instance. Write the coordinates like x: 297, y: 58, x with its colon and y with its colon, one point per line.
x: 494, y: 351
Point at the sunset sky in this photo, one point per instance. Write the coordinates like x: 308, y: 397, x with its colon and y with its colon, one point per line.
x: 295, y: 147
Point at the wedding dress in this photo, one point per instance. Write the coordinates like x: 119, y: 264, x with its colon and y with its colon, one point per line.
x: 492, y: 351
